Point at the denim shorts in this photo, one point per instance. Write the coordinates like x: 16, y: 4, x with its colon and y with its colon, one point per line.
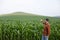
x: 44, y: 37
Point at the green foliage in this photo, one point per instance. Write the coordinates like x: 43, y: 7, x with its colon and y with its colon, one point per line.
x: 27, y: 28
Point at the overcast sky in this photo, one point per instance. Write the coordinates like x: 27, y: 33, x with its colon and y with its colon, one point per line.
x: 40, y: 7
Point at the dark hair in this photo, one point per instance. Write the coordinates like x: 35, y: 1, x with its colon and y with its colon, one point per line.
x: 47, y: 19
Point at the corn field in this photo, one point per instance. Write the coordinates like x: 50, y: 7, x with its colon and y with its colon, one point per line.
x: 27, y: 28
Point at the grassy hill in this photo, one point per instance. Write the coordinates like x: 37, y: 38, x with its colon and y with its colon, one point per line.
x: 19, y: 13
x: 20, y: 16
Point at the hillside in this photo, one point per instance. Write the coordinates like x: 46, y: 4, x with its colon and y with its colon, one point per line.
x: 24, y: 16
x: 19, y: 13
x: 21, y: 16
x: 57, y: 16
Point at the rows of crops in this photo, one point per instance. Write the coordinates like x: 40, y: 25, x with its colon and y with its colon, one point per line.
x: 27, y: 28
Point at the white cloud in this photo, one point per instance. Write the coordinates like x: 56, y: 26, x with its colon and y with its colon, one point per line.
x: 41, y: 7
